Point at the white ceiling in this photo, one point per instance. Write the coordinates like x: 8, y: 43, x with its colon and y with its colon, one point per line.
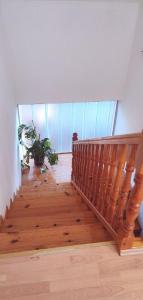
x: 68, y: 50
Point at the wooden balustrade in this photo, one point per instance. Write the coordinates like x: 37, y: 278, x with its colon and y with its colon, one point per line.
x: 102, y: 172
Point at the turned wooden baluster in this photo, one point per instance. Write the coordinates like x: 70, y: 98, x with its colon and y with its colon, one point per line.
x: 90, y: 170
x: 112, y: 166
x: 104, y: 178
x: 87, y: 170
x: 82, y: 166
x: 92, y: 162
x: 90, y: 165
x: 85, y: 167
x: 78, y: 163
x: 74, y: 138
x: 116, y: 187
x: 95, y: 172
x: 99, y: 177
x: 126, y: 236
x: 118, y: 221
x: 73, y: 161
x: 100, y: 185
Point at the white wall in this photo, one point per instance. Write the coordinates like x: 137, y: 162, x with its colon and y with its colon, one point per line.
x: 130, y: 113
x: 64, y: 51
x: 9, y: 165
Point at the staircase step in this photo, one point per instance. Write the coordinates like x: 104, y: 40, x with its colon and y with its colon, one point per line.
x: 55, y: 237
x: 42, y: 193
x: 26, y: 223
x: 47, y: 202
x: 47, y: 195
x: 45, y: 211
x: 45, y: 214
x: 28, y: 189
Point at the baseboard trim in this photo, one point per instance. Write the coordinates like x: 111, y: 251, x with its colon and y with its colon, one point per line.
x: 50, y: 251
x: 137, y: 248
x: 8, y: 206
x: 132, y: 251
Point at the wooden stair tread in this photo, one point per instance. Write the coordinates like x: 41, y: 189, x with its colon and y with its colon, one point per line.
x: 45, y: 211
x: 44, y: 191
x: 74, y: 218
x: 45, y: 214
x: 45, y: 181
x: 45, y: 188
x: 40, y: 194
x: 50, y: 201
x: 47, y: 238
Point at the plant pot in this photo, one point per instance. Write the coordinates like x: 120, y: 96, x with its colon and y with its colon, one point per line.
x: 39, y: 160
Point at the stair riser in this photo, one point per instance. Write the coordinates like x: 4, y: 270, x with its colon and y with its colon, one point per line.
x: 62, y: 236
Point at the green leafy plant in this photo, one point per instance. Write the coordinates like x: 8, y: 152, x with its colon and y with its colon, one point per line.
x: 35, y: 147
x: 53, y: 158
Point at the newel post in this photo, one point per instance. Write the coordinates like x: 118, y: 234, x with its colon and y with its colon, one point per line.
x: 74, y: 139
x: 126, y: 233
x: 126, y: 236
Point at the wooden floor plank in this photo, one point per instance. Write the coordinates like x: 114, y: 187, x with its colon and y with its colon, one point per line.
x: 83, y: 273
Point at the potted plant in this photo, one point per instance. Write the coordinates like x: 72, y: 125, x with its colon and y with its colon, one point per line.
x: 35, y: 147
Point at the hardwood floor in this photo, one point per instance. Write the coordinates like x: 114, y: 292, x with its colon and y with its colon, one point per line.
x: 46, y: 214
x: 87, y: 273
x: 62, y: 171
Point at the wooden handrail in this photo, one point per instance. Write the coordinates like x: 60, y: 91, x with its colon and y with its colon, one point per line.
x: 102, y: 171
x: 133, y: 138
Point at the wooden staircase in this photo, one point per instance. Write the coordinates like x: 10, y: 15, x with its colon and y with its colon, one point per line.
x: 45, y: 215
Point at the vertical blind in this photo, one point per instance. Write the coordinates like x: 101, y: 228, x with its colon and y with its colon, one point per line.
x: 59, y: 121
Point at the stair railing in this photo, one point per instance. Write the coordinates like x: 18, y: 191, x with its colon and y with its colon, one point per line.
x: 102, y: 172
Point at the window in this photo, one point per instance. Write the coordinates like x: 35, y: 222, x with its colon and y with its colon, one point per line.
x: 59, y: 121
